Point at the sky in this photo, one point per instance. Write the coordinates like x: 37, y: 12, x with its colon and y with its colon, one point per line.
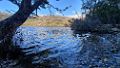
x: 5, y: 5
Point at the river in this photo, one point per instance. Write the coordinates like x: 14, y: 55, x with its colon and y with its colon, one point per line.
x: 59, y: 47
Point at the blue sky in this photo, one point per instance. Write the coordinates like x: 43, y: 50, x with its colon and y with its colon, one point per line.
x: 76, y: 7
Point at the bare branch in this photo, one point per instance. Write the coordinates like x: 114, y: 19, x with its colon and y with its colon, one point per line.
x: 60, y: 10
x: 39, y: 3
x: 16, y: 2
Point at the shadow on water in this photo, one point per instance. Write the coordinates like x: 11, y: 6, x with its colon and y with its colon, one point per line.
x: 13, y: 56
x: 101, y: 50
x: 57, y: 47
x: 17, y: 58
x: 32, y: 50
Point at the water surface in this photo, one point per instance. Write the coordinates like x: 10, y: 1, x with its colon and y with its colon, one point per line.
x: 58, y: 47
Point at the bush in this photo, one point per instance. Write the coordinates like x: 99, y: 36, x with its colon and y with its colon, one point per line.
x: 89, y: 23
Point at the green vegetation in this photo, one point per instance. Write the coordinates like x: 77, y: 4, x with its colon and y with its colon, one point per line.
x: 102, y: 16
x: 47, y: 21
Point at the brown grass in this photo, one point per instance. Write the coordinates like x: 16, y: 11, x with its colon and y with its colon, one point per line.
x: 48, y: 21
x: 4, y: 15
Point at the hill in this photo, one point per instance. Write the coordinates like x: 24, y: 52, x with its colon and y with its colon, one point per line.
x: 42, y: 20
x: 47, y: 21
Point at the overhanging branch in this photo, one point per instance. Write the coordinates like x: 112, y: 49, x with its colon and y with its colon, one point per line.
x: 39, y: 3
x: 25, y: 4
x: 16, y: 2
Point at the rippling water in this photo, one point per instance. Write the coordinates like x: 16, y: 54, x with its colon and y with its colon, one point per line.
x: 58, y: 47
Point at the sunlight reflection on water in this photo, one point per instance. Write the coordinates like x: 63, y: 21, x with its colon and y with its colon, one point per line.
x: 60, y: 43
x: 59, y: 47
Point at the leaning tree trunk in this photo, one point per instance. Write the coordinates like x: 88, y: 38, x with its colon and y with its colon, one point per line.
x: 9, y: 25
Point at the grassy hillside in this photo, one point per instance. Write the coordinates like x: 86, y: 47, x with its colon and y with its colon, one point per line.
x: 42, y: 20
x: 47, y: 21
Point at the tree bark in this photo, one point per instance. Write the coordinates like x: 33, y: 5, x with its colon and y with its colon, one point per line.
x: 9, y: 25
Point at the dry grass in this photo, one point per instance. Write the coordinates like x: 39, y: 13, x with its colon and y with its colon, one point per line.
x: 4, y: 15
x: 42, y: 20
x: 48, y: 21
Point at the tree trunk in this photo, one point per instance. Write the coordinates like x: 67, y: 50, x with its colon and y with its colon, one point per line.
x: 9, y: 25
